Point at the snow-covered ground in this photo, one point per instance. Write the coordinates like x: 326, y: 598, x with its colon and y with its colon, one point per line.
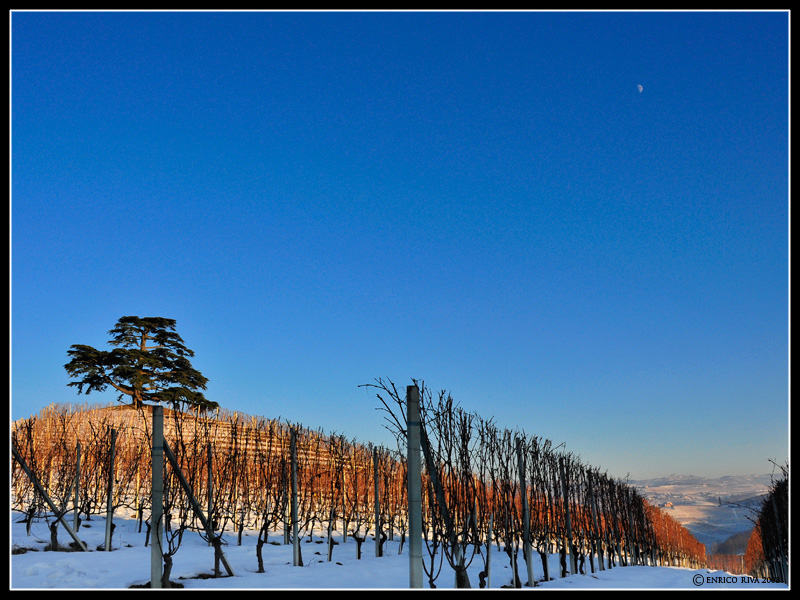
x: 128, y: 564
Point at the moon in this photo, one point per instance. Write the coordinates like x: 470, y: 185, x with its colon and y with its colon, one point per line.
x: 640, y: 88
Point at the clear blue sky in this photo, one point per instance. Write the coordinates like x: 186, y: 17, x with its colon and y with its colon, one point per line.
x: 485, y: 201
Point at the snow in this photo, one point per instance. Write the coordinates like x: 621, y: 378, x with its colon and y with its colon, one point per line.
x: 711, y: 509
x: 128, y: 564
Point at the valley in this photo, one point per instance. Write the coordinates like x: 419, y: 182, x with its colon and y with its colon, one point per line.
x: 712, y: 509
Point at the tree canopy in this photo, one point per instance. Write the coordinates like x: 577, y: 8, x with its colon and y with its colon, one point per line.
x: 148, y: 365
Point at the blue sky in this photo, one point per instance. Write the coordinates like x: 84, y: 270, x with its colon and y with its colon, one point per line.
x: 485, y: 201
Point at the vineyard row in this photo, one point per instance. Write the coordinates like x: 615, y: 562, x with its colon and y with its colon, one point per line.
x: 481, y: 484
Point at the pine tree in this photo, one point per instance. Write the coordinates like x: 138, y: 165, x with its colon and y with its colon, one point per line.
x: 149, y: 364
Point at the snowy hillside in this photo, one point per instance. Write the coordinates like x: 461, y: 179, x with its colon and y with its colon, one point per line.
x: 711, y: 509
x: 129, y: 565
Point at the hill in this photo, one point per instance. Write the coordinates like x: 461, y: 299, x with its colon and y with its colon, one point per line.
x: 736, y: 544
x: 712, y: 509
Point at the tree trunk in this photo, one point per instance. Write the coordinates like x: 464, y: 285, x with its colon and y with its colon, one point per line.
x: 462, y: 578
x: 54, y: 536
x: 359, y: 541
x: 512, y: 556
x: 545, y: 566
x: 165, y: 583
x: 217, y: 551
x: 259, y: 556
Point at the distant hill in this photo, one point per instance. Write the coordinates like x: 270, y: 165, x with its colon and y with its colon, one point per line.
x: 726, y: 485
x: 714, y: 510
x: 736, y: 544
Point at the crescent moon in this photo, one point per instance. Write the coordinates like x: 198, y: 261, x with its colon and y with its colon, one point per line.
x: 640, y: 88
